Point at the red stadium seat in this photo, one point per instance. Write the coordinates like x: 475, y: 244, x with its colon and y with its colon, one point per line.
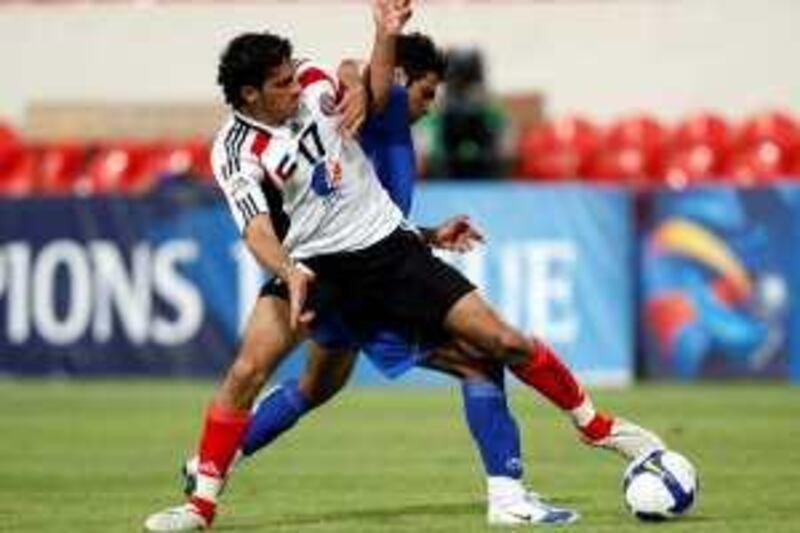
x: 190, y: 159
x: 558, y: 150
x: 765, y: 145
x: 119, y: 168
x: 62, y: 167
x: 703, y: 129
x: 690, y: 165
x: 772, y: 127
x: 793, y: 167
x: 8, y: 137
x: 17, y: 171
x: 635, y: 147
x: 623, y: 165
x: 17, y: 164
x: 759, y: 164
x: 639, y: 131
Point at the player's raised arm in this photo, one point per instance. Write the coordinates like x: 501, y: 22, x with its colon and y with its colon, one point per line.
x: 390, y: 18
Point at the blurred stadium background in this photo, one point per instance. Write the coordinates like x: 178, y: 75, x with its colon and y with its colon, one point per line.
x: 636, y: 165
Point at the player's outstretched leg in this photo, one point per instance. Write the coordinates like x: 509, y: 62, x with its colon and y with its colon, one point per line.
x: 473, y: 321
x: 544, y: 371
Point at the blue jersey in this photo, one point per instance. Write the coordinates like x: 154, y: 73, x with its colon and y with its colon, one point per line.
x: 386, y: 140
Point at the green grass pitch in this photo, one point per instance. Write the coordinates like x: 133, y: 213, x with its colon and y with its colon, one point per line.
x: 100, y: 456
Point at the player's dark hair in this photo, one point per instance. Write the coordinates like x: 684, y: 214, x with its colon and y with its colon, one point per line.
x: 248, y: 60
x: 418, y: 56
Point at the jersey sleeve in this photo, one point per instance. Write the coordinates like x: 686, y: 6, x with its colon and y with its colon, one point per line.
x: 240, y: 181
x: 386, y: 138
x: 320, y: 83
x: 393, y: 123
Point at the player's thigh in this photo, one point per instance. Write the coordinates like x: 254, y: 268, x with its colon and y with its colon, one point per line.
x: 473, y: 321
x: 327, y: 372
x: 266, y: 341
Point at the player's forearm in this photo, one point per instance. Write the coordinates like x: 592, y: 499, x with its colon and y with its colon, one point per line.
x: 380, y: 71
x: 263, y: 243
x: 351, y: 78
x: 349, y: 72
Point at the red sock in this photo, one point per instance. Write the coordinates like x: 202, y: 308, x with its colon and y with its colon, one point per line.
x: 598, y: 428
x: 223, y: 432
x: 206, y: 508
x: 545, y: 372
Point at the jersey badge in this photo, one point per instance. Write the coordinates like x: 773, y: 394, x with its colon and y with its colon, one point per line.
x: 323, y: 181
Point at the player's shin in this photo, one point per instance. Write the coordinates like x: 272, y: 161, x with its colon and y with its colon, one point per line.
x: 222, y: 435
x: 276, y: 413
x: 493, y: 428
x: 545, y: 372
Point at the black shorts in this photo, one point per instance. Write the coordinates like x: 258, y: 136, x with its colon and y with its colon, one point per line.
x: 395, y: 284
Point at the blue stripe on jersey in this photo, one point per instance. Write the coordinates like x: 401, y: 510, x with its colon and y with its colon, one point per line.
x: 386, y: 139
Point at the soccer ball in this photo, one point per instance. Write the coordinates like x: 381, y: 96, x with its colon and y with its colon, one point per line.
x: 660, y: 486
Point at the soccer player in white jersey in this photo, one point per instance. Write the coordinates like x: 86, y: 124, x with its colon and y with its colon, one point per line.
x: 312, y: 212
x: 298, y: 187
x: 386, y: 138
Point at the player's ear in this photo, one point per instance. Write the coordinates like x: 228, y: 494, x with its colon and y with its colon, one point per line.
x: 250, y: 94
x: 400, y: 76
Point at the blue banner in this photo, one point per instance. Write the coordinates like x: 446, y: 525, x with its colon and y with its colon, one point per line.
x: 117, y: 286
x: 557, y: 263
x: 718, y: 266
x: 161, y: 285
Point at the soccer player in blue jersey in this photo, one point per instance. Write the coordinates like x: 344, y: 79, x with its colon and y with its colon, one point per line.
x: 386, y: 139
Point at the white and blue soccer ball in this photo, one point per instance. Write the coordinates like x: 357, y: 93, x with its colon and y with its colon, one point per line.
x: 660, y: 486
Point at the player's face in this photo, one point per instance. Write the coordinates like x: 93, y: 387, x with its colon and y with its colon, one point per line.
x: 421, y: 94
x: 280, y: 94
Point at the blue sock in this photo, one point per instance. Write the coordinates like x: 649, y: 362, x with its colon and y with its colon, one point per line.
x: 275, y: 413
x: 493, y: 427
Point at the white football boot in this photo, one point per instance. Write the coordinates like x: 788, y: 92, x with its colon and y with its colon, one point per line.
x: 182, y: 518
x: 628, y: 440
x: 511, y: 505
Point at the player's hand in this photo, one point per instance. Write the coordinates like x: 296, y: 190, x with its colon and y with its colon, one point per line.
x: 457, y: 234
x: 298, y: 281
x: 352, y: 109
x: 391, y: 15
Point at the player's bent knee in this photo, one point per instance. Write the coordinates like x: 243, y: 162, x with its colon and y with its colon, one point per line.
x: 472, y: 373
x: 243, y: 382
x: 317, y: 393
x: 511, y: 346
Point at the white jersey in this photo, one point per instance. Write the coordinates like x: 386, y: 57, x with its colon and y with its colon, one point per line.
x: 320, y: 190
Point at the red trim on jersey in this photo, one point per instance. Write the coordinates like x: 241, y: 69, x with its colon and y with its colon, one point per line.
x: 313, y: 75
x: 260, y: 143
